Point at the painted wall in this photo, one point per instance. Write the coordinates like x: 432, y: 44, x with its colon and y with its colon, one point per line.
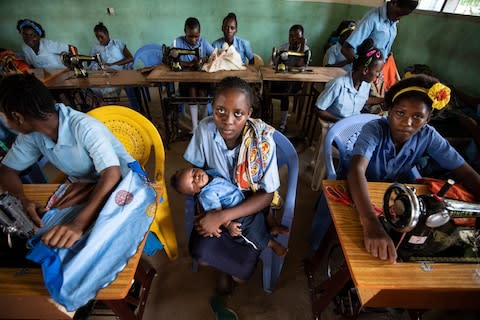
x: 421, y: 39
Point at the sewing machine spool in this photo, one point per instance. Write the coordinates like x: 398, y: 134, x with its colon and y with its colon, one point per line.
x: 281, y: 58
x: 74, y: 61
x: 171, y: 56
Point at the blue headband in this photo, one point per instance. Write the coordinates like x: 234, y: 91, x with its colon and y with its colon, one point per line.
x: 31, y: 24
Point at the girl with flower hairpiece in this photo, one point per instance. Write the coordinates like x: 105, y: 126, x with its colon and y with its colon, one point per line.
x: 40, y: 52
x: 388, y: 148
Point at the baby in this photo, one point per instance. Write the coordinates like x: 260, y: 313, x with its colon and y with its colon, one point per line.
x: 216, y: 193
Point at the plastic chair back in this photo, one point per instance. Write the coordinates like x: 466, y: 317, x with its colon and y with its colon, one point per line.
x: 139, y: 136
x: 272, y: 264
x: 147, y: 56
x: 344, y: 134
x: 257, y: 60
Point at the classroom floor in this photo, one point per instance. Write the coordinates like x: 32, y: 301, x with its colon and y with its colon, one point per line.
x: 178, y: 293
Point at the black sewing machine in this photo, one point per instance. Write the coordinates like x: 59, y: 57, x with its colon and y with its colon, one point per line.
x: 281, y: 58
x: 427, y: 227
x: 171, y: 56
x: 74, y: 61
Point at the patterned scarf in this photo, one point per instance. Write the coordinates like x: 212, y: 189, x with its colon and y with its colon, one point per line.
x: 255, y: 154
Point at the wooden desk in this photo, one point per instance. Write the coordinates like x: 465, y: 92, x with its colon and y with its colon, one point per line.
x: 310, y: 76
x: 25, y: 296
x: 405, y: 285
x: 162, y: 73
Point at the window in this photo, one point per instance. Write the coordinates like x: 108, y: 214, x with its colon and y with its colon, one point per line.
x: 464, y: 7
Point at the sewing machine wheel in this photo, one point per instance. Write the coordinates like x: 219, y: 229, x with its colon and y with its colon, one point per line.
x: 401, y: 207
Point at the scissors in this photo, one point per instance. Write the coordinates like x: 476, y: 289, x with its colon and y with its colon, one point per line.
x: 339, y: 193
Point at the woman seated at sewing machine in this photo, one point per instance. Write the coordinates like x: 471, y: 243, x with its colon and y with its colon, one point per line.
x: 115, y: 55
x: 346, y: 95
x: 388, y: 148
x: 192, y: 41
x: 40, y: 52
x: 296, y: 42
x: 229, y: 29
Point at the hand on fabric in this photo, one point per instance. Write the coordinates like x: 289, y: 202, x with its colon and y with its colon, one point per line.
x: 34, y: 210
x: 62, y: 236
x: 234, y: 228
x: 377, y: 241
x: 209, y: 225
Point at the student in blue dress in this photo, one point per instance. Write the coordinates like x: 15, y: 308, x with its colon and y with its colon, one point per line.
x: 296, y: 42
x: 346, y: 95
x: 76, y: 144
x: 215, y: 193
x: 380, y: 24
x: 192, y: 40
x: 114, y: 53
x: 229, y: 29
x: 388, y: 148
x: 40, y: 52
x: 334, y: 56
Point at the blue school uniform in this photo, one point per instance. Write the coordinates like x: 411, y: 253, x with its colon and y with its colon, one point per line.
x: 84, y: 147
x: 376, y: 25
x: 334, y: 55
x: 242, y: 46
x: 340, y: 97
x: 48, y: 54
x: 208, y: 149
x: 110, y: 53
x: 386, y: 164
x: 205, y: 47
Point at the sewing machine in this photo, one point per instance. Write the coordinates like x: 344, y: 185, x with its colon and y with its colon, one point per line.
x: 431, y: 227
x: 281, y: 58
x: 171, y: 56
x: 74, y: 61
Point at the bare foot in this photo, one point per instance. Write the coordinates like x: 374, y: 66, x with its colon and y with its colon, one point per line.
x: 279, y: 229
x: 279, y: 250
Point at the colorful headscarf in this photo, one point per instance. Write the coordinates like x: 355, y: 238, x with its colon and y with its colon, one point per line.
x: 27, y: 23
x: 255, y: 154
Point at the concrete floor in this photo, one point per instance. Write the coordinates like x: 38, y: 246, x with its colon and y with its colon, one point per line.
x: 179, y: 293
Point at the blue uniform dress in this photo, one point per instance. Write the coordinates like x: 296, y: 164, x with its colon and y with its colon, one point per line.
x: 207, y: 149
x: 48, y: 54
x: 376, y: 25
x: 334, y: 55
x: 386, y: 164
x: 84, y: 148
x: 110, y: 53
x: 205, y: 47
x: 340, y: 97
x: 242, y: 46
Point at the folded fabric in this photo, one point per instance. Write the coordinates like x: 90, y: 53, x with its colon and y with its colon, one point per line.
x: 457, y: 191
x: 73, y: 276
x: 224, y: 59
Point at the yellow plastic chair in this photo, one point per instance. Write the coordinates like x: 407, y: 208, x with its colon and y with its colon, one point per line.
x: 139, y: 135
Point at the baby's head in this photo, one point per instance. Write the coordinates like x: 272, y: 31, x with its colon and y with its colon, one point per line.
x: 189, y: 181
x: 410, y: 104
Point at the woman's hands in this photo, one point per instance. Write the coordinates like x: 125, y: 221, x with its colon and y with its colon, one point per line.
x: 377, y: 242
x: 62, y: 236
x: 209, y: 224
x: 34, y: 210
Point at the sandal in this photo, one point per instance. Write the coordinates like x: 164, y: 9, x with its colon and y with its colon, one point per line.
x: 221, y: 312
